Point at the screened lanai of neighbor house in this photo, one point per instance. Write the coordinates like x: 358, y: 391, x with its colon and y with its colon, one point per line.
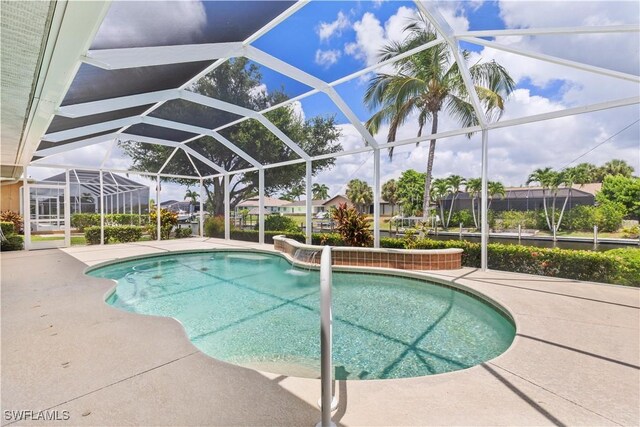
x: 74, y: 79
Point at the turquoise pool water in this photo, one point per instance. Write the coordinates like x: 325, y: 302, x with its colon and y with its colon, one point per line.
x: 256, y: 310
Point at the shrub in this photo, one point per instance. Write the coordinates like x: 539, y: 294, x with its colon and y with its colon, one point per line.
x: 84, y: 220
x: 462, y: 216
x: 330, y: 239
x: 168, y: 220
x: 182, y: 232
x: 352, y: 226
x: 7, y: 228
x: 92, y: 235
x: 580, y: 218
x: 13, y: 242
x: 632, y: 232
x: 511, y: 219
x: 14, y: 217
x: 279, y: 223
x: 609, y: 216
x: 214, y: 226
x: 124, y: 233
x: 628, y: 260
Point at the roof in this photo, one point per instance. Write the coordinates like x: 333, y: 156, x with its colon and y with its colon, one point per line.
x: 125, y: 87
x: 337, y: 196
x: 268, y: 201
x: 90, y: 180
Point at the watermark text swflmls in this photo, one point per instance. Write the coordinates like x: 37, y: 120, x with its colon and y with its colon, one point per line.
x: 28, y: 414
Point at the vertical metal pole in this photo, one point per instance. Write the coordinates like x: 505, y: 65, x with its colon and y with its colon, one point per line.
x: 376, y: 198
x: 26, y: 207
x: 326, y: 337
x: 484, y: 264
x: 261, y: 206
x: 158, y: 222
x: 309, y: 204
x: 67, y: 210
x: 201, y: 208
x: 101, y: 209
x: 227, y: 208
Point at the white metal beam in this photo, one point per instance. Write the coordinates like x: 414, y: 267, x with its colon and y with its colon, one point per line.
x: 553, y: 59
x: 72, y: 30
x: 113, y: 104
x: 91, y: 129
x: 115, y: 59
x: 62, y: 148
x: 201, y: 132
x: 549, y: 31
x: 227, y: 208
x: 308, y: 202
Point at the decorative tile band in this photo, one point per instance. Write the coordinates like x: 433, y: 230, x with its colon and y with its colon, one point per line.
x: 403, y: 259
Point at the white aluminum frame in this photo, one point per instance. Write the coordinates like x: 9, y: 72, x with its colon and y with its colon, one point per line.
x: 89, y: 18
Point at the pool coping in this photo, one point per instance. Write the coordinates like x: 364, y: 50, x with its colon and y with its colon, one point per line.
x: 540, y: 379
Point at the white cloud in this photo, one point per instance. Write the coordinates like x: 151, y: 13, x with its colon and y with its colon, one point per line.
x: 138, y: 24
x: 327, y: 58
x: 372, y: 36
x: 326, y: 30
x: 297, y: 109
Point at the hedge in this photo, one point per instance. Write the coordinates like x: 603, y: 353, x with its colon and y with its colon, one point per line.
x: 619, y: 266
x: 84, y: 220
x: 14, y: 242
x: 122, y: 234
x: 7, y: 228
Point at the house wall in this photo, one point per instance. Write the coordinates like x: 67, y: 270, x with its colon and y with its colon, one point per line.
x: 10, y: 197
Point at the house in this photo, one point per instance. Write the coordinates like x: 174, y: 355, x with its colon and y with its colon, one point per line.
x: 271, y: 205
x: 300, y: 207
x: 530, y: 198
x: 177, y: 206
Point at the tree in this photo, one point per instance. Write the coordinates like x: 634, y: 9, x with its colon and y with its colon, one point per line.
x: 411, y: 191
x: 390, y: 193
x: 428, y: 82
x: 237, y: 81
x: 495, y: 188
x: 550, y: 182
x: 588, y: 172
x: 296, y: 192
x: 441, y: 189
x: 320, y: 191
x: 474, y: 188
x: 615, y: 167
x: 360, y: 194
x: 455, y: 183
x: 192, y: 195
x: 621, y: 189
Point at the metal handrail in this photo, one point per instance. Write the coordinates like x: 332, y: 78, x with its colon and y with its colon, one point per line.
x: 326, y: 338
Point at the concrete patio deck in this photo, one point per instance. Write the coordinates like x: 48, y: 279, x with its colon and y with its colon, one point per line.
x: 575, y: 359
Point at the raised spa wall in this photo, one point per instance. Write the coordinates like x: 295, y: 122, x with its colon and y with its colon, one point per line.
x: 404, y: 259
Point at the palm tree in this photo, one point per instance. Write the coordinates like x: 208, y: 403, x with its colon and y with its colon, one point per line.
x: 320, y: 191
x: 617, y: 167
x: 360, y: 194
x: 441, y: 189
x: 474, y: 188
x: 428, y: 82
x: 192, y: 195
x: 390, y: 193
x: 589, y: 171
x: 455, y: 183
x: 495, y: 188
x: 295, y: 192
x: 549, y: 180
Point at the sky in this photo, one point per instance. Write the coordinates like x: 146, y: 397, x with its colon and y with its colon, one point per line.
x: 331, y: 39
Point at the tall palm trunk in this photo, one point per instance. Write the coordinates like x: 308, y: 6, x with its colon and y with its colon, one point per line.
x: 453, y: 200
x: 473, y: 211
x: 544, y: 204
x: 564, y: 206
x: 427, y: 181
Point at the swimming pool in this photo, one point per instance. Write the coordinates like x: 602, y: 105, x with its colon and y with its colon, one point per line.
x: 257, y: 310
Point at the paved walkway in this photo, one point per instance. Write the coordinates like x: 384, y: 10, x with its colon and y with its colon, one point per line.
x: 575, y: 360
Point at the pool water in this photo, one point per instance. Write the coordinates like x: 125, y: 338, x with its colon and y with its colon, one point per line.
x: 257, y: 310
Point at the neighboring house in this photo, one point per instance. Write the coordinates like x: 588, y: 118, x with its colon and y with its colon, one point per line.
x: 530, y: 198
x: 271, y: 205
x: 335, y: 201
x: 300, y: 207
